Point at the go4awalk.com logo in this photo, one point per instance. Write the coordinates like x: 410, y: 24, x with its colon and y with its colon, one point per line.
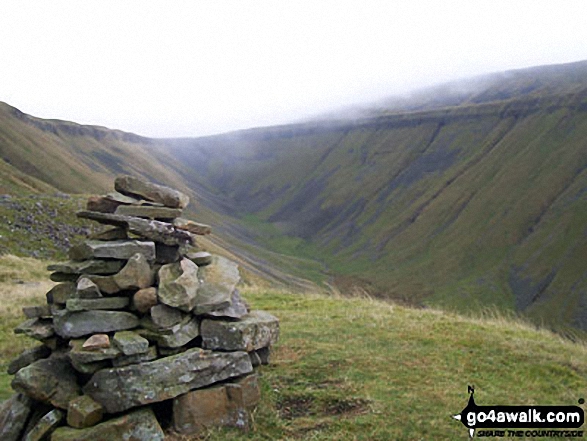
x: 521, y: 421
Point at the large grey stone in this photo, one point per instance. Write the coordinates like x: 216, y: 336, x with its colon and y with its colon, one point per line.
x: 140, y: 425
x: 164, y: 316
x: 115, y: 249
x: 136, y: 274
x: 178, y: 285
x: 50, y: 380
x: 45, y: 425
x: 14, y: 414
x: 27, y: 357
x: 87, y: 267
x: 157, y: 231
x: 87, y: 289
x: 256, y: 330
x: 119, y: 389
x: 130, y: 343
x: 136, y: 187
x: 179, y: 335
x: 217, y: 282
x: 96, y: 304
x: 237, y: 309
x: 77, y: 324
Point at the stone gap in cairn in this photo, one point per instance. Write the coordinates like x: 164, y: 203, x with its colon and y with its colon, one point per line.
x: 140, y: 315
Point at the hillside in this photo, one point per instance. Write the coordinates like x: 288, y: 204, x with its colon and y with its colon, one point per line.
x: 476, y: 204
x: 359, y: 369
x: 467, y: 195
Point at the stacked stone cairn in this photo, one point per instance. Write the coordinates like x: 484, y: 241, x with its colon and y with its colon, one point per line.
x: 144, y: 331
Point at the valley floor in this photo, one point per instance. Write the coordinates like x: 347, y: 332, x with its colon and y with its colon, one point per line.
x: 359, y: 369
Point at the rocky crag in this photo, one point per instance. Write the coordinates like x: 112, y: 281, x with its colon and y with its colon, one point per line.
x: 143, y: 332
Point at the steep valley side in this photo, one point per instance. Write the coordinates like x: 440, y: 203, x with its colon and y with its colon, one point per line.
x: 464, y: 207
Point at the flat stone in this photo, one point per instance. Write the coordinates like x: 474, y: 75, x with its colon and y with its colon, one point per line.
x: 78, y: 324
x: 140, y: 425
x: 80, y: 354
x: 96, y: 341
x: 136, y: 187
x: 84, y: 412
x: 237, y: 309
x: 149, y: 212
x: 119, y: 389
x: 14, y: 414
x: 256, y: 330
x: 50, y: 380
x: 217, y: 283
x: 178, y: 285
x: 200, y: 258
x: 113, y: 233
x: 39, y: 329
x: 97, y: 304
x: 153, y: 230
x: 179, y: 335
x: 46, y: 425
x: 125, y: 360
x: 61, y: 292
x: 130, y: 343
x: 63, y: 277
x: 136, y: 274
x: 122, y: 199
x: 192, y: 227
x: 39, y: 311
x: 87, y: 289
x: 28, y: 357
x: 144, y: 299
x: 164, y: 316
x: 116, y: 249
x: 87, y: 267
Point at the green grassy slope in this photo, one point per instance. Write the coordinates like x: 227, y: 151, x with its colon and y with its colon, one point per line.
x: 41, y: 161
x: 74, y: 158
x: 472, y: 205
x: 358, y: 369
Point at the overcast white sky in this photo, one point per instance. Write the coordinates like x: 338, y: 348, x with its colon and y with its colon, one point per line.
x: 188, y: 68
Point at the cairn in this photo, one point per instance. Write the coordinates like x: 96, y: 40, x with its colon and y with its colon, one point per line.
x: 144, y: 330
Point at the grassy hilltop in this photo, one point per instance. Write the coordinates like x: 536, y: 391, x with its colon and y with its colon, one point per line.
x: 363, y: 369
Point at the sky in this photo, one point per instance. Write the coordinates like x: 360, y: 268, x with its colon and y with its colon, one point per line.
x: 193, y: 68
